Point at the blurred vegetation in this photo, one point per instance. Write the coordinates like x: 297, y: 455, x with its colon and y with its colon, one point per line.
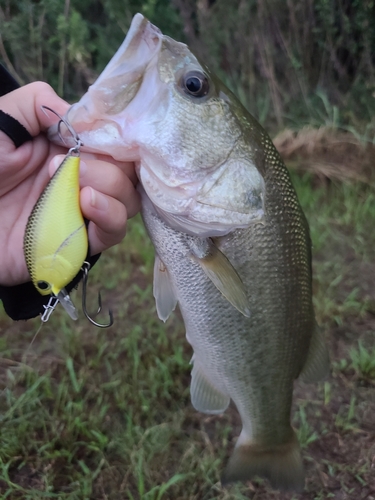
x: 290, y: 62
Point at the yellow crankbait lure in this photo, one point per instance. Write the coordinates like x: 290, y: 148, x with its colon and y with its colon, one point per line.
x: 55, y: 242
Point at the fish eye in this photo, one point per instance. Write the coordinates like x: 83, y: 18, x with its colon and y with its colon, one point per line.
x: 195, y: 83
x: 43, y: 285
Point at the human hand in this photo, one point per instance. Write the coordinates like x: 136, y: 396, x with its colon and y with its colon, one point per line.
x: 108, y: 196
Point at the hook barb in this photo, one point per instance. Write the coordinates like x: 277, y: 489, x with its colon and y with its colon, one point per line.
x: 85, y: 268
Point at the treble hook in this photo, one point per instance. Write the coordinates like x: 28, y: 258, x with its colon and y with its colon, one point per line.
x: 85, y: 268
x: 69, y: 127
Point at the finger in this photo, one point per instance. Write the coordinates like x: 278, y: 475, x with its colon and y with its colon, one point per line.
x: 108, y: 218
x: 108, y: 179
x: 19, y: 164
x: 98, y: 165
x: 25, y: 105
x: 127, y: 167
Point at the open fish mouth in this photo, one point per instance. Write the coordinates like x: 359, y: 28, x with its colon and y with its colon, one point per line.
x: 144, y: 108
x: 96, y: 117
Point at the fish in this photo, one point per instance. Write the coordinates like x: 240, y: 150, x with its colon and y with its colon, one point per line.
x: 55, y: 239
x: 232, y: 244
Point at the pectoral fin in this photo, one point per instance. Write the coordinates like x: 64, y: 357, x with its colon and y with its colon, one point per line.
x: 165, y: 297
x: 223, y: 275
x: 204, y: 396
x: 316, y: 367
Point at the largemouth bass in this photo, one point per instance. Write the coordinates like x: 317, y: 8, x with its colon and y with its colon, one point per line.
x: 232, y: 243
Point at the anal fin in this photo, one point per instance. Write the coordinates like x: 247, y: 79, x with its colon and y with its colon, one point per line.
x: 204, y: 396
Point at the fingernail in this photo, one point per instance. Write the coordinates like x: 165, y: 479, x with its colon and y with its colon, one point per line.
x: 82, y: 168
x: 98, y: 200
x: 57, y: 161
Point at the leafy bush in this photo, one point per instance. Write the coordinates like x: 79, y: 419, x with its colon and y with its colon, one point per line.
x: 279, y: 56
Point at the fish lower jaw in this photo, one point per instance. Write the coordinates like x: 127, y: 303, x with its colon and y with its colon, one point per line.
x: 178, y: 199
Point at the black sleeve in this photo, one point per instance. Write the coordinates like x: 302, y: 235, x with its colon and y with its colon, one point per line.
x: 24, y: 301
x: 7, y: 82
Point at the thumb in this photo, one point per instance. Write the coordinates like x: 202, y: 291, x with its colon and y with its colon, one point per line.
x: 25, y: 105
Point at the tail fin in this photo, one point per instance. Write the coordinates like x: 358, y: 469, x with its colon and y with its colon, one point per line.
x: 281, y: 464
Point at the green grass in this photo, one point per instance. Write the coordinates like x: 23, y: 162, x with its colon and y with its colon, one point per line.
x: 105, y: 414
x: 341, y: 218
x: 363, y: 361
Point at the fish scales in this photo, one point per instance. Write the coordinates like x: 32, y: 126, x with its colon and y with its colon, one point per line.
x: 232, y: 243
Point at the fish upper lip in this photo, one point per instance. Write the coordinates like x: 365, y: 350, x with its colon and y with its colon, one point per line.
x: 139, y: 47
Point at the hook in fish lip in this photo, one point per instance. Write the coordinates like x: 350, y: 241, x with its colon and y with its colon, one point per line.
x: 70, y: 128
x: 85, y: 268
